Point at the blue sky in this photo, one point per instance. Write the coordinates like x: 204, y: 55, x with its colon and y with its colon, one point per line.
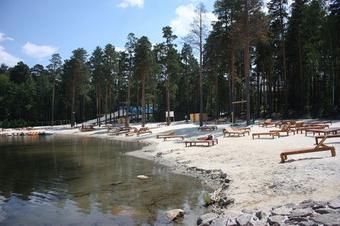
x: 31, y: 30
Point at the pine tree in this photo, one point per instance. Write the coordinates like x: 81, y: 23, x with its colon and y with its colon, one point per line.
x: 55, y: 69
x: 277, y: 10
x: 144, y: 62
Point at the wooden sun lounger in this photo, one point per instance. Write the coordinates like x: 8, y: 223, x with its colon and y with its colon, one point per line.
x: 322, y: 131
x: 235, y: 132
x: 267, y: 122
x: 162, y: 135
x: 272, y: 134
x: 297, y: 125
x: 317, y: 138
x: 235, y: 128
x: 303, y: 128
x: 86, y: 128
x: 287, y: 132
x: 320, y: 147
x: 195, y: 142
x: 285, y: 129
x: 116, y: 133
x: 173, y: 137
x: 207, y: 128
x: 143, y: 131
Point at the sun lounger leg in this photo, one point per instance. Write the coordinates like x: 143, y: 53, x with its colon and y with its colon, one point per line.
x: 333, y: 152
x: 282, y: 158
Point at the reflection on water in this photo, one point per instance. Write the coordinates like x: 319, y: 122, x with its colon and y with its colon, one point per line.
x: 85, y: 181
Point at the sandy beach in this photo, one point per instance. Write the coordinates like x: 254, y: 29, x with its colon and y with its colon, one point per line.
x: 258, y: 179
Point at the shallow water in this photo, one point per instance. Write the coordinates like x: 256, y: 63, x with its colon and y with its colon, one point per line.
x: 87, y: 181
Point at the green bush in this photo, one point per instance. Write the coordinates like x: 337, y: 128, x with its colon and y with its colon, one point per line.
x: 13, y: 124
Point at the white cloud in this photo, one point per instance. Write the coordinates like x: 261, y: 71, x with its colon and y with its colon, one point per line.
x: 4, y: 37
x: 185, y: 15
x: 6, y: 58
x: 38, y: 51
x: 131, y: 3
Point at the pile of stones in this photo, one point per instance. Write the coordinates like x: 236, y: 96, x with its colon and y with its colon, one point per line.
x: 307, y: 213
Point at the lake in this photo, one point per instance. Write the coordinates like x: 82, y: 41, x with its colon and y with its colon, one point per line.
x: 57, y: 180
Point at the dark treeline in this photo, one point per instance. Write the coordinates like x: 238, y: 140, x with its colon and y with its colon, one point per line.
x: 283, y: 63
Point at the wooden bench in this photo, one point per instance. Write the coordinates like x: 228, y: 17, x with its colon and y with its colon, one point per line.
x: 237, y: 128
x: 266, y: 123
x: 173, y: 137
x: 272, y: 134
x: 164, y: 134
x: 303, y: 128
x: 235, y: 132
x: 317, y: 138
x: 320, y: 147
x: 195, y: 142
x: 281, y: 131
x: 284, y: 129
x: 143, y: 131
x: 119, y: 130
x: 86, y: 128
x: 322, y: 131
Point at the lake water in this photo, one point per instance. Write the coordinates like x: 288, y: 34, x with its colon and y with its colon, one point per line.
x: 87, y: 181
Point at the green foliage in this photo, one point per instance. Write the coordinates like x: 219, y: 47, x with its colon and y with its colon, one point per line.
x: 207, y: 199
x: 293, y: 70
x: 13, y: 124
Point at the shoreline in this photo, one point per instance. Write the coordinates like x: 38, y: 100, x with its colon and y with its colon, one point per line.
x: 245, y: 172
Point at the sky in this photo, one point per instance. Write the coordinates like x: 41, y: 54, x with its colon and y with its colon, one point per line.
x: 32, y: 30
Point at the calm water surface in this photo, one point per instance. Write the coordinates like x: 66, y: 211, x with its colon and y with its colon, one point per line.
x: 87, y: 181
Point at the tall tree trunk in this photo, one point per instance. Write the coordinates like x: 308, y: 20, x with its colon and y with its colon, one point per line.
x: 200, y: 68
x: 284, y: 63
x: 246, y: 60
x: 127, y: 120
x: 110, y: 106
x: 106, y: 103
x: 84, y: 109
x: 232, y: 86
x: 127, y: 117
x: 168, y: 102
x: 301, y: 91
x: 53, y: 96
x: 217, y: 106
x: 143, y: 101
x: 73, y: 104
x: 258, y: 107
x: 97, y: 105
x: 137, y: 104
x: 285, y: 76
x: 187, y: 94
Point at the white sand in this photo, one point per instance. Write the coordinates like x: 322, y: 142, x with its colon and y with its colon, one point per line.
x: 258, y: 180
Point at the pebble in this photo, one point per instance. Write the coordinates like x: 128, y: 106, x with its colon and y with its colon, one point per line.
x: 174, y: 214
x: 206, y: 219
x: 297, y: 213
x: 282, y: 211
x: 328, y: 219
x: 142, y: 177
x: 276, y: 220
x: 335, y: 204
x: 246, y: 219
x: 307, y: 213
